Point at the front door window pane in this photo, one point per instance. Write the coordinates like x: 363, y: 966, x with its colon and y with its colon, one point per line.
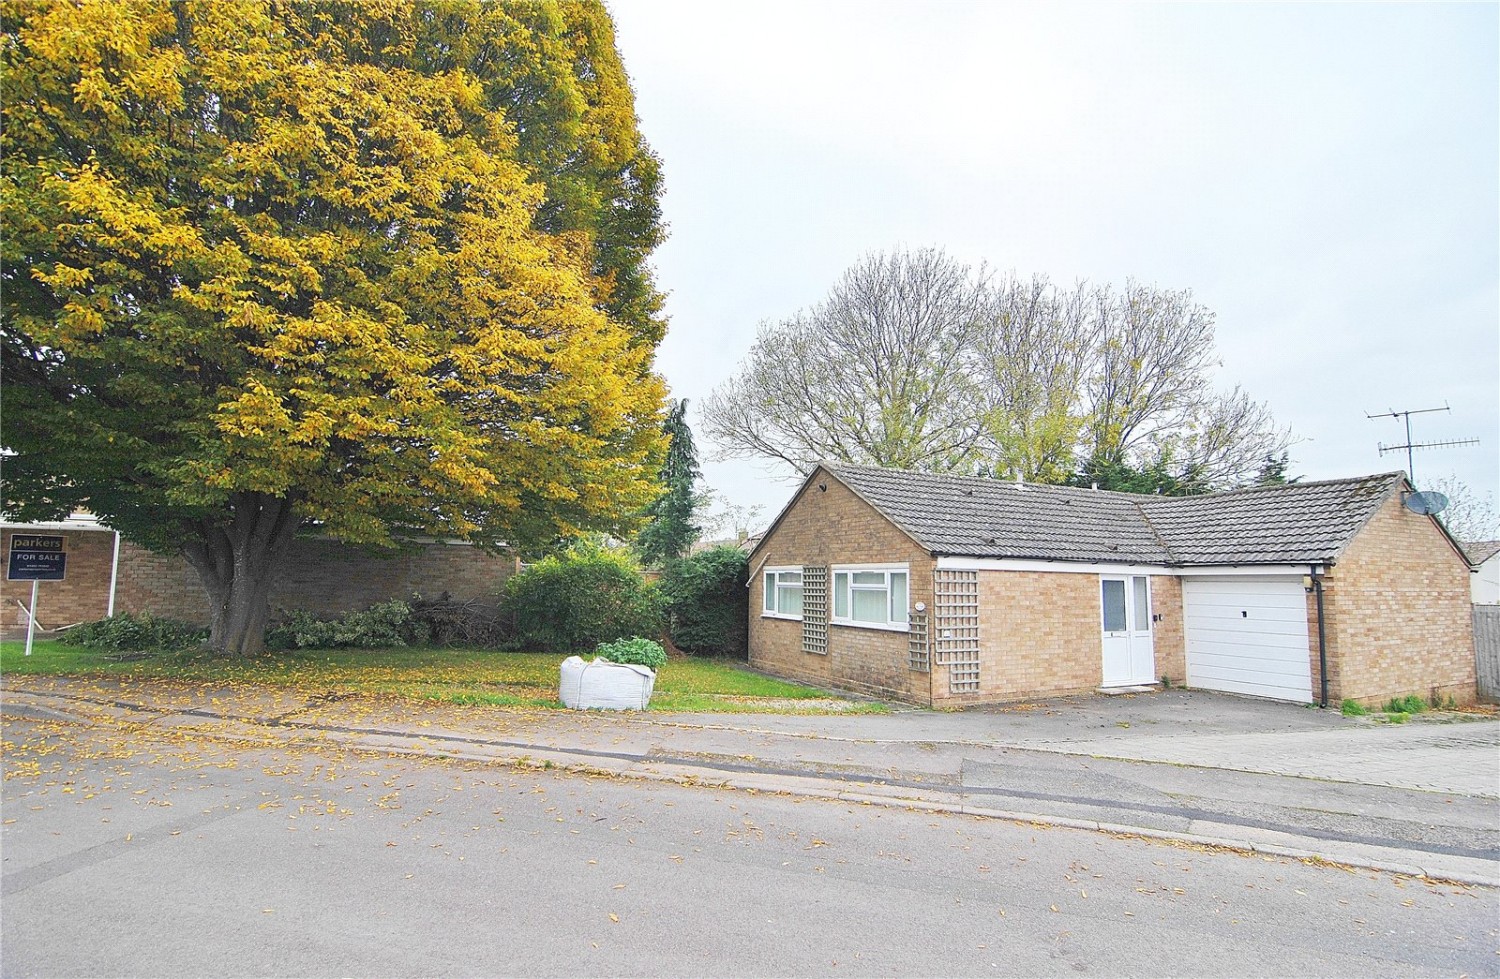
x: 1142, y: 605
x: 1114, y: 605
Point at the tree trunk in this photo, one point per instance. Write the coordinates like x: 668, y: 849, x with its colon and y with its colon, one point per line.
x: 237, y: 562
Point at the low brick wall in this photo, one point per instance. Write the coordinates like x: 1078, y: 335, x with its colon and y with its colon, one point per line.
x: 320, y: 576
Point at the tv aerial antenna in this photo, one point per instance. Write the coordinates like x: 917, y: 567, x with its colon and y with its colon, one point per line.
x: 1428, y: 502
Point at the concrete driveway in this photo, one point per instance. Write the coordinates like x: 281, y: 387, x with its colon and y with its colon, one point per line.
x: 1438, y: 751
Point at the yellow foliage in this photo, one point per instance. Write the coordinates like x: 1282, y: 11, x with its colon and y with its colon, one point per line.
x: 302, y: 258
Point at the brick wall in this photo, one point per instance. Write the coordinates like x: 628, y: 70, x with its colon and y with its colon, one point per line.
x: 828, y: 527
x: 163, y: 584
x: 321, y: 576
x: 1041, y: 635
x: 1170, y: 642
x: 328, y: 578
x: 1397, y: 614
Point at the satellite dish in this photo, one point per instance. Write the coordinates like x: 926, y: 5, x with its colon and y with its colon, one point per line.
x: 1426, y: 503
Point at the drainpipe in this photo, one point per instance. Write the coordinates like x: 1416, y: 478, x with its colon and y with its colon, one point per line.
x: 1317, y: 583
x: 114, y: 576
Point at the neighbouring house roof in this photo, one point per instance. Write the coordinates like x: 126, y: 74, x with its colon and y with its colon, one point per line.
x: 1298, y: 523
x: 1480, y: 551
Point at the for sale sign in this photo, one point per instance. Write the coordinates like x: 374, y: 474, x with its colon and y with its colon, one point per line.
x: 36, y: 557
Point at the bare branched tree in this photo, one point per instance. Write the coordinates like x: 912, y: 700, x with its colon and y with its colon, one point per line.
x: 1030, y: 364
x: 876, y: 374
x: 1149, y: 370
x: 918, y: 361
x: 1469, y: 515
x: 1224, y: 438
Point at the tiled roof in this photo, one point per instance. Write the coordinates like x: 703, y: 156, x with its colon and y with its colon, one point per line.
x: 1299, y: 523
x: 1480, y: 551
x: 977, y: 517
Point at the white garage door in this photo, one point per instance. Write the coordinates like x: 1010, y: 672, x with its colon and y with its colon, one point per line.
x: 1247, y: 635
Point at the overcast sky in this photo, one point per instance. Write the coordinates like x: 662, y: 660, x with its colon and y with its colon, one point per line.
x: 1324, y: 177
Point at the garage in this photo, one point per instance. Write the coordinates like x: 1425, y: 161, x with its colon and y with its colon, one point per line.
x: 1247, y: 635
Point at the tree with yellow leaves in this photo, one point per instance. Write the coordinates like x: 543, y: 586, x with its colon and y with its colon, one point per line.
x: 373, y: 269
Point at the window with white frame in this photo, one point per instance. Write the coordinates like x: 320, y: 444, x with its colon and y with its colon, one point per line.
x: 870, y: 596
x: 783, y: 593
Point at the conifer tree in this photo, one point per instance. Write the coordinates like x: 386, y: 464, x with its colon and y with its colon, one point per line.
x: 671, y: 527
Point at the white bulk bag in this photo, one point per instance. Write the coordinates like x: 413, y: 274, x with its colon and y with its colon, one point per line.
x: 605, y: 685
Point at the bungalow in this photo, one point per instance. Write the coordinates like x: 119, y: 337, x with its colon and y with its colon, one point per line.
x: 953, y: 591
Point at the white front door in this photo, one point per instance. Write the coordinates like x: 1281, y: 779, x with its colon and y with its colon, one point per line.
x: 1125, y: 613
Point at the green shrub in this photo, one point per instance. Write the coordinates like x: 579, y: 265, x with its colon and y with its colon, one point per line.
x: 572, y: 602
x: 129, y: 633
x: 379, y: 626
x: 1353, y: 708
x: 1410, y: 704
x: 641, y: 652
x: 708, y: 602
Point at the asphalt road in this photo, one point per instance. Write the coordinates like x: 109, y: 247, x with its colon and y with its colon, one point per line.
x: 140, y: 852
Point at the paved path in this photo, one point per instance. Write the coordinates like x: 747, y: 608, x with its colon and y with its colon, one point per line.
x: 1416, y: 798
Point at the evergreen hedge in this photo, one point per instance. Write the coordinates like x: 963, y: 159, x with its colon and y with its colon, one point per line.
x: 708, y: 602
x: 572, y: 602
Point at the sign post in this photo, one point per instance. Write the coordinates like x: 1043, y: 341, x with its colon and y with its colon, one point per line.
x: 31, y: 616
x: 36, y: 558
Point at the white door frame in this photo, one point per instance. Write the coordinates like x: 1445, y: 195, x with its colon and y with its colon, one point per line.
x: 1129, y: 651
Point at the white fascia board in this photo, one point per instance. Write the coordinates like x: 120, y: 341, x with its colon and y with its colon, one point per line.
x: 1082, y: 567
x: 72, y: 523
x: 1228, y: 570
x: 1056, y: 567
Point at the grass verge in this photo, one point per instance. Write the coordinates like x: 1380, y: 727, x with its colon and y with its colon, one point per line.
x: 684, y: 685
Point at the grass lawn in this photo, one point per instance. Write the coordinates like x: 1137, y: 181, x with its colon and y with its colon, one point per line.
x: 452, y: 675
